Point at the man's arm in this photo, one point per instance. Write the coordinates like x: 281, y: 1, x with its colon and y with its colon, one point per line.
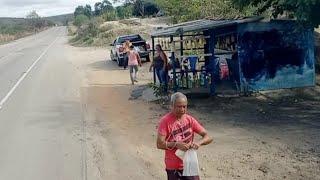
x: 206, y: 139
x: 139, y: 59
x: 162, y: 144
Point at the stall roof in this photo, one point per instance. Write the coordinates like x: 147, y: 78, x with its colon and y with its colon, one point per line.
x: 200, y: 25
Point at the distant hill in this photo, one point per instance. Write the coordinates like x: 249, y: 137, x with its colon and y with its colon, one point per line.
x: 60, y: 19
x: 12, y: 21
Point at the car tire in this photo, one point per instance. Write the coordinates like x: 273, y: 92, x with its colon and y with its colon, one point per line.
x: 112, y: 56
x: 119, y: 62
x: 148, y: 58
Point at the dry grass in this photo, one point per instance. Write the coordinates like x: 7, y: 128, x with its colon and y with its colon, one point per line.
x: 108, y: 31
x: 5, y: 38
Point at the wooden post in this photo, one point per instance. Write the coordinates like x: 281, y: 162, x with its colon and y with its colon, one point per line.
x: 212, y: 64
x: 181, y: 52
x: 154, y: 72
x: 175, y: 88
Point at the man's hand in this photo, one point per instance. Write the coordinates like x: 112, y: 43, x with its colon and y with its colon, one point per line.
x: 195, y: 145
x: 183, y: 146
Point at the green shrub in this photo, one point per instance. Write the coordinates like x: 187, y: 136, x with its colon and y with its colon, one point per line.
x: 109, y: 15
x: 80, y: 20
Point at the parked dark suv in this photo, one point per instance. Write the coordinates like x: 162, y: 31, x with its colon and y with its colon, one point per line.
x: 141, y: 46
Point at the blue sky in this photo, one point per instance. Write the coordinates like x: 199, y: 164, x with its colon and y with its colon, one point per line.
x: 20, y: 8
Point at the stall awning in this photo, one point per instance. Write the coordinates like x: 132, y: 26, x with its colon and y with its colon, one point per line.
x: 200, y: 25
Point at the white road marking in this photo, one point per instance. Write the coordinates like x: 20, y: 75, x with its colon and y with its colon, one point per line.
x: 5, y: 99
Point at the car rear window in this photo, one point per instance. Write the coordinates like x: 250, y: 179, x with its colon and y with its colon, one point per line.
x: 132, y: 38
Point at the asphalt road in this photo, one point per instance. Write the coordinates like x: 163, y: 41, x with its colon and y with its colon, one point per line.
x: 41, y: 126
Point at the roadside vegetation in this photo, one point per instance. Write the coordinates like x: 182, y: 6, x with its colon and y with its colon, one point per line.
x: 101, y: 24
x: 15, y: 28
x: 89, y: 20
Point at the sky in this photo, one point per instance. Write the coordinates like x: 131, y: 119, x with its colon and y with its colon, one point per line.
x: 44, y: 8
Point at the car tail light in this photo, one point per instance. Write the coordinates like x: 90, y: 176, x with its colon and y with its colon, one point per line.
x: 121, y: 49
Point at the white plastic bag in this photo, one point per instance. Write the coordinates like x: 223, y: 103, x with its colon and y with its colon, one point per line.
x: 190, y: 163
x: 180, y: 154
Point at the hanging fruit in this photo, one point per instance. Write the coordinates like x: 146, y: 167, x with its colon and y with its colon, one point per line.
x: 197, y: 43
x: 190, y: 44
x: 193, y: 44
x: 201, y: 42
x: 185, y: 44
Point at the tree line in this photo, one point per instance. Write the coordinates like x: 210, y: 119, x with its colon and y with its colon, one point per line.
x: 108, y: 12
x: 186, y: 10
x: 306, y: 11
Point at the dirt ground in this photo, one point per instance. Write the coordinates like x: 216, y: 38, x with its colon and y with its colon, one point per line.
x: 271, y: 136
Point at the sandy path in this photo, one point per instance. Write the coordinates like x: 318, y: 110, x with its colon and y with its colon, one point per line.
x: 119, y: 143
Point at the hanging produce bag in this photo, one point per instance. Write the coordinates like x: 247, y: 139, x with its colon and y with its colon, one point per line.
x: 190, y: 163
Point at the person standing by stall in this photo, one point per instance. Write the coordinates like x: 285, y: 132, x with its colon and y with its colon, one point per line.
x: 133, y: 62
x: 160, y: 64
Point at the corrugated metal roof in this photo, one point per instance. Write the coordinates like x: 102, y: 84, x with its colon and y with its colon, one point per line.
x: 200, y: 25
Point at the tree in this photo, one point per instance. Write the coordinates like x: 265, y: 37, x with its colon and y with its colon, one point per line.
x: 84, y: 10
x: 35, y: 21
x: 102, y: 7
x: 302, y: 10
x: 138, y: 8
x: 80, y: 20
x: 124, y: 11
x: 186, y: 10
x: 151, y: 8
x: 97, y: 8
x: 88, y: 11
x: 144, y: 7
x: 107, y: 5
x: 79, y: 10
x: 33, y: 15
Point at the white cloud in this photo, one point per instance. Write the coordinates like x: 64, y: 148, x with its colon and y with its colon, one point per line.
x: 19, y: 3
x: 20, y: 8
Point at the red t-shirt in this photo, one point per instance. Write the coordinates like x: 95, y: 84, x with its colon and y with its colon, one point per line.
x: 177, y: 131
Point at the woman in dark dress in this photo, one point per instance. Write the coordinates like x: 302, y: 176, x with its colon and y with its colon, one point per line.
x: 160, y: 62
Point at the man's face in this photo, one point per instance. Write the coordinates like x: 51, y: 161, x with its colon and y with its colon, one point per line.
x: 180, y: 107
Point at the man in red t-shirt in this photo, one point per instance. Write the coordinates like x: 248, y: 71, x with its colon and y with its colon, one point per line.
x: 176, y: 131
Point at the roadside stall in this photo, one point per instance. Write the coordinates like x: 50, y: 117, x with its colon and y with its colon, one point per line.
x: 238, y: 55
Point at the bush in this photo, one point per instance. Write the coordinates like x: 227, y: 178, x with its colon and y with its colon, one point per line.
x: 80, y: 20
x: 109, y: 16
x: 124, y: 11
